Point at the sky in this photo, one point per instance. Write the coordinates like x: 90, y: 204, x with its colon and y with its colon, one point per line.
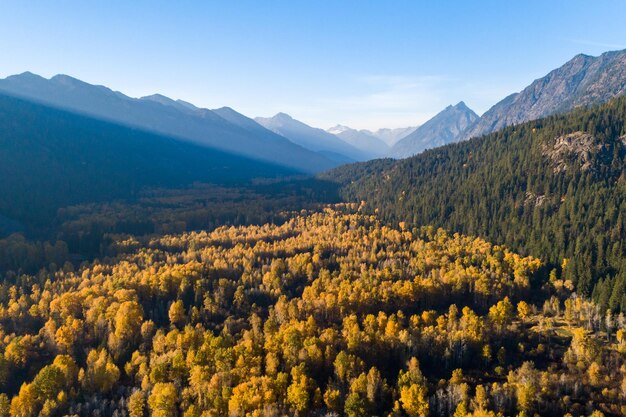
x: 365, y: 64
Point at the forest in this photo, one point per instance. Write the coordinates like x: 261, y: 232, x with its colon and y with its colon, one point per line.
x: 554, y: 188
x: 328, y: 312
x: 89, y: 230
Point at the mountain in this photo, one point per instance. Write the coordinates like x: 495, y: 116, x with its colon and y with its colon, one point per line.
x: 582, y: 81
x: 361, y: 139
x: 162, y: 115
x: 315, y: 139
x: 442, y: 129
x: 391, y: 136
x: 52, y: 158
x: 554, y: 188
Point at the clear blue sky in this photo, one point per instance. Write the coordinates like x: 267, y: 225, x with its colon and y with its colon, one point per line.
x: 366, y: 64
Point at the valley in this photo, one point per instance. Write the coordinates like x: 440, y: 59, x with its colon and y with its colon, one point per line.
x: 282, y: 211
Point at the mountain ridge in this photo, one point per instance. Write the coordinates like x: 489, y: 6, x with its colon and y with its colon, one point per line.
x: 582, y: 81
x: 164, y: 116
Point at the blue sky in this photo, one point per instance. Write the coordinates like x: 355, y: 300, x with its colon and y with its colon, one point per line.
x: 366, y: 64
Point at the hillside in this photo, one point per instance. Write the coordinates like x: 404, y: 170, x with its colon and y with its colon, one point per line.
x: 51, y: 158
x: 553, y: 188
x: 584, y: 80
x: 445, y: 127
x: 162, y: 115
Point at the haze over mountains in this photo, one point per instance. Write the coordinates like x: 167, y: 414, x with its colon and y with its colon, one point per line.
x: 52, y: 158
x: 391, y: 136
x: 312, y: 138
x: 165, y: 116
x: 361, y: 139
x: 285, y: 141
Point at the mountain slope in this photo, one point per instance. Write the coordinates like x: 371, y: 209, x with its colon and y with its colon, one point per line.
x: 161, y: 115
x: 317, y: 140
x: 361, y: 139
x: 582, y: 81
x: 50, y: 158
x: 442, y: 129
x: 554, y: 188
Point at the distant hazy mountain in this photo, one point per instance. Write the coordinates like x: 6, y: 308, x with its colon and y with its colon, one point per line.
x: 52, y: 158
x: 163, y: 115
x: 315, y: 139
x: 391, y: 136
x: 442, y: 129
x: 582, y: 81
x: 361, y: 139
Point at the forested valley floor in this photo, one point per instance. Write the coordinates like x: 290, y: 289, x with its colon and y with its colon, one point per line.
x: 323, y: 313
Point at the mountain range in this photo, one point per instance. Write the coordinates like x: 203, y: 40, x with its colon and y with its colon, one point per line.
x: 52, y: 158
x: 165, y: 116
x: 312, y: 138
x: 281, y: 139
x: 582, y: 81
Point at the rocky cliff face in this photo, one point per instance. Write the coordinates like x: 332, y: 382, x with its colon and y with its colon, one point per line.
x: 582, y: 81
